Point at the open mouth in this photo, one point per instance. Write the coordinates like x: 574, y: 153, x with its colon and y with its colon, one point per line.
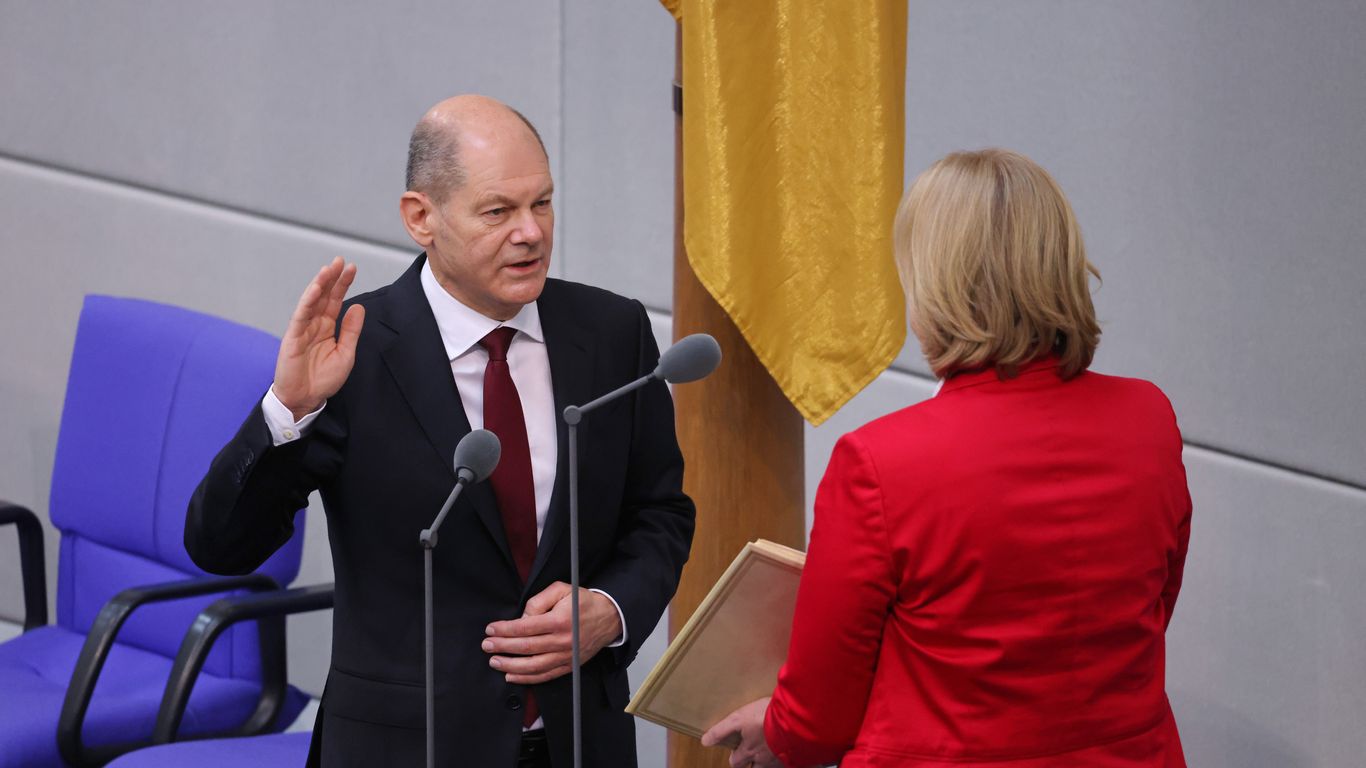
x: 524, y: 265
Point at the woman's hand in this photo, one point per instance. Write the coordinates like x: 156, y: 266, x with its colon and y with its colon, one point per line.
x: 743, y: 731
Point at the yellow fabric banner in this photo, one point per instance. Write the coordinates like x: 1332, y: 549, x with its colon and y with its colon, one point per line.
x: 793, y: 131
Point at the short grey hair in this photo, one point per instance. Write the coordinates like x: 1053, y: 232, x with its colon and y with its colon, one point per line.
x: 434, y: 166
x: 434, y: 161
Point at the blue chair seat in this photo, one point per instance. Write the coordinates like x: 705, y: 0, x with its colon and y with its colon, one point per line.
x: 280, y: 749
x: 36, y: 667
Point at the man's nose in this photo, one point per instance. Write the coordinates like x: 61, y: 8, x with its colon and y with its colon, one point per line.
x: 526, y: 229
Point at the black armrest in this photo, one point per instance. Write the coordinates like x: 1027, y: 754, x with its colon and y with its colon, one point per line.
x: 32, y: 561
x: 101, y: 639
x: 269, y: 608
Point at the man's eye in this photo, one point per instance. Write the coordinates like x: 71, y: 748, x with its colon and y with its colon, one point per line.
x: 495, y: 212
x: 543, y: 203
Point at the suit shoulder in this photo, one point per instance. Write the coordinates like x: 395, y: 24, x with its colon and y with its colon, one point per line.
x: 570, y: 292
x: 589, y: 303
x: 369, y: 298
x: 376, y: 306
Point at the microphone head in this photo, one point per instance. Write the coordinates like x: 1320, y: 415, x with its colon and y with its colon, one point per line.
x: 477, y: 455
x: 692, y: 358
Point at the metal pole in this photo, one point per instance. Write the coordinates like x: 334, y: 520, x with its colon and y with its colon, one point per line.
x: 431, y: 697
x: 572, y: 418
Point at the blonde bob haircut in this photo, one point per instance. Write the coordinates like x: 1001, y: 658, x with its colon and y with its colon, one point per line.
x: 993, y: 265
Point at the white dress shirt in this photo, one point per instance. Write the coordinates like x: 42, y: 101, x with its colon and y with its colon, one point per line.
x: 461, y: 330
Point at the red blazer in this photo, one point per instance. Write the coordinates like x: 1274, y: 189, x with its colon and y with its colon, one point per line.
x: 989, y: 580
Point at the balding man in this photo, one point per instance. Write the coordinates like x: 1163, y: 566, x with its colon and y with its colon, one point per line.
x: 368, y: 410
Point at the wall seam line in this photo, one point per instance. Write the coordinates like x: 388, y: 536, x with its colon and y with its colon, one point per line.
x: 115, y: 181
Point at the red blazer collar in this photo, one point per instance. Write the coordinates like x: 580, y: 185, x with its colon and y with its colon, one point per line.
x: 976, y: 376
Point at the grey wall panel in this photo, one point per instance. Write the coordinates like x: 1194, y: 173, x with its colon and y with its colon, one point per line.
x: 617, y: 201
x: 133, y: 243
x: 300, y: 110
x: 29, y: 413
x: 1266, y: 667
x: 67, y: 236
x: 1215, y: 156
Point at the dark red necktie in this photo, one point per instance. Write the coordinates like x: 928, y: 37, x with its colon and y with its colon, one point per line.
x: 512, y: 481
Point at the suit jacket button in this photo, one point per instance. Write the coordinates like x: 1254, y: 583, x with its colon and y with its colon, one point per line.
x: 514, y: 702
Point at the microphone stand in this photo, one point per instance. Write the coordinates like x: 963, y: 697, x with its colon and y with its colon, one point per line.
x: 689, y: 359
x: 428, y: 541
x: 572, y: 416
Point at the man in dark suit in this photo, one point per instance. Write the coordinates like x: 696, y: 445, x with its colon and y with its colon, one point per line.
x: 472, y: 335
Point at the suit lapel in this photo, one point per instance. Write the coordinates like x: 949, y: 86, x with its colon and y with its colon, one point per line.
x: 416, y: 359
x: 571, y: 366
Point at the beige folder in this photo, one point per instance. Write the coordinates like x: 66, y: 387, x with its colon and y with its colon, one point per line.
x: 730, y: 651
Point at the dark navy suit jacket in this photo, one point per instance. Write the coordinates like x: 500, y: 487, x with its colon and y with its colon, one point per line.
x: 381, y: 455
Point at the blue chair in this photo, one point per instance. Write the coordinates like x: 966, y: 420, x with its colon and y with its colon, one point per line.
x: 154, y: 391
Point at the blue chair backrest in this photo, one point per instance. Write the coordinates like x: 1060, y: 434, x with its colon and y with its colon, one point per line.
x: 154, y: 392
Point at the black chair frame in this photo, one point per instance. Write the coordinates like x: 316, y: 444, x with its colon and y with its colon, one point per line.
x: 269, y: 610
x: 100, y: 640
x: 32, y: 561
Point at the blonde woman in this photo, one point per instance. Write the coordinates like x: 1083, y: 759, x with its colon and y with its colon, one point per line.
x: 991, y: 572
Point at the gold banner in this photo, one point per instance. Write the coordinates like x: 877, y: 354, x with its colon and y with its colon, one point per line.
x: 793, y: 130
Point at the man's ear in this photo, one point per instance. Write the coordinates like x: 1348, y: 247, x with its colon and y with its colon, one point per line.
x: 418, y: 211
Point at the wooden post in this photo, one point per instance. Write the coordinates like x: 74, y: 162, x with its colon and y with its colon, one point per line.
x: 742, y: 445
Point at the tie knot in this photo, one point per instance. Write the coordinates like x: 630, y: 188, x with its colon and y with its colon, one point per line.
x: 497, y: 342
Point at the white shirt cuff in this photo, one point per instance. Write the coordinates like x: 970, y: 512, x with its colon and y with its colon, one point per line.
x: 620, y: 641
x: 283, y: 428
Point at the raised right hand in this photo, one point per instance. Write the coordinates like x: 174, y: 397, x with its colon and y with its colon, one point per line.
x: 313, y: 363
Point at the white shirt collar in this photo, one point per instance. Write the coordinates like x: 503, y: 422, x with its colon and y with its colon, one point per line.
x: 461, y: 327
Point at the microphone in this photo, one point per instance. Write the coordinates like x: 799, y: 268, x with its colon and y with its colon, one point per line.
x: 689, y: 359
x: 476, y: 456
x: 692, y: 358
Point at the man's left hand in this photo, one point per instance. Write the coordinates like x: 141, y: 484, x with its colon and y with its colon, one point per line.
x: 536, y: 647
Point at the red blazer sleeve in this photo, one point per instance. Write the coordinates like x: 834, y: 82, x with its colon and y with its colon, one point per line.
x: 846, y: 592
x: 1176, y: 562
